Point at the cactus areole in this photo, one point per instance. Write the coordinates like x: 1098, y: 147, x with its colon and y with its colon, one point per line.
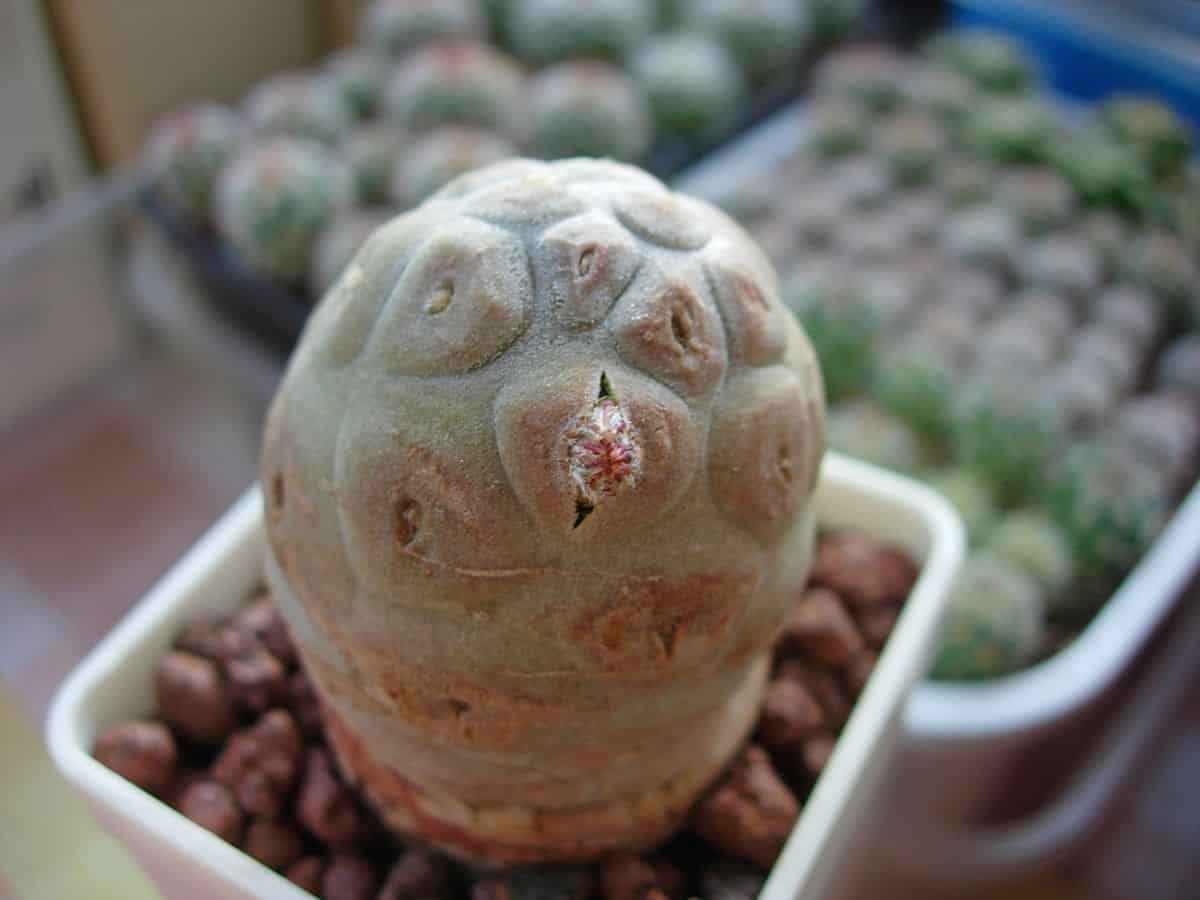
x: 537, y: 486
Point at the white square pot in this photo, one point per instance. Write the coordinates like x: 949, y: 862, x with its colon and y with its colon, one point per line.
x: 116, y: 682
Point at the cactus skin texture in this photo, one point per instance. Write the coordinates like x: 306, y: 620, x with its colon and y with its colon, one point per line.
x: 537, y: 485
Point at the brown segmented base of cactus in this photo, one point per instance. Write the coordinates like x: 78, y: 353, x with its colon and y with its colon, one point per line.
x: 509, y: 834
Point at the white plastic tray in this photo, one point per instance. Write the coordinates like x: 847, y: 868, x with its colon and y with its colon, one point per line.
x: 961, y: 738
x: 115, y: 682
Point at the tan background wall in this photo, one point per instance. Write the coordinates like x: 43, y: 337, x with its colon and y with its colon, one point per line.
x: 130, y: 61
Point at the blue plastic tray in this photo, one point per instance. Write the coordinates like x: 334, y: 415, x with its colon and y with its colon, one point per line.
x: 1089, y: 52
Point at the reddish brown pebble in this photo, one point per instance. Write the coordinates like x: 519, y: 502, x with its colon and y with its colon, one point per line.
x: 273, y: 843
x: 303, y: 702
x: 876, y: 624
x: 816, y: 752
x: 193, y: 698
x: 861, y: 571
x: 859, y: 671
x: 141, y: 752
x: 350, y: 877
x: 212, y: 805
x: 790, y: 713
x: 750, y: 812
x: 325, y: 806
x: 416, y: 875
x: 819, y: 627
x: 202, y: 636
x: 626, y: 877
x: 257, y: 679
x: 261, y: 619
x: 823, y: 684
x: 307, y: 873
x: 261, y: 763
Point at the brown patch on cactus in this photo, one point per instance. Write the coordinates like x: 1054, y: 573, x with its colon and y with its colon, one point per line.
x: 667, y: 330
x: 761, y: 450
x: 588, y: 261
x: 588, y: 464
x: 662, y: 218
x: 645, y: 624
x: 463, y: 299
x: 754, y: 324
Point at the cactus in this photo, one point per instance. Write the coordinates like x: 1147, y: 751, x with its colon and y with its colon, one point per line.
x: 992, y: 60
x: 1119, y: 359
x: 965, y: 180
x: 359, y: 75
x: 1152, y: 128
x: 1062, y: 263
x: 298, y: 105
x: 1014, y: 343
x: 913, y: 144
x: 1002, y: 426
x: 1161, y: 262
x: 394, y: 27
x: 1084, y: 393
x: 993, y: 624
x: 1108, y: 237
x: 1039, y: 197
x: 551, y: 31
x: 1178, y: 367
x: 864, y: 430
x: 1011, y: 130
x: 1050, y: 313
x: 766, y: 37
x: 984, y: 235
x: 274, y: 198
x: 337, y: 244
x: 437, y: 158
x: 1104, y: 172
x: 830, y: 308
x: 185, y: 154
x: 693, y: 84
x: 588, y: 109
x: 971, y: 498
x: 1110, y: 505
x: 863, y: 181
x: 838, y: 125
x: 371, y: 152
x: 537, y: 488
x: 872, y: 74
x: 457, y: 83
x: 1032, y: 540
x: 913, y: 379
x: 939, y: 91
x: 1131, y: 313
x: 1163, y: 432
x: 976, y: 291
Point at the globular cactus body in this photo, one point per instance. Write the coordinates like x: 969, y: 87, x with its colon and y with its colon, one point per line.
x: 299, y: 105
x: 395, y: 27
x: 185, y: 154
x: 537, y: 486
x: 273, y: 200
x: 588, y: 108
